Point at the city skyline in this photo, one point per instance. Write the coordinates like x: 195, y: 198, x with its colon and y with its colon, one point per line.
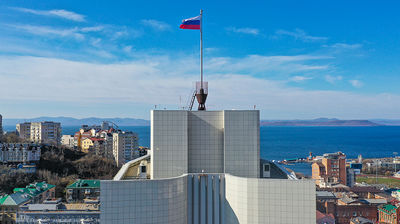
x: 291, y: 60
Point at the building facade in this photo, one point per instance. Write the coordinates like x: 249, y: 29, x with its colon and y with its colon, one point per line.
x: 46, y: 132
x: 24, y: 130
x: 331, y: 169
x: 389, y: 214
x: 68, y: 141
x: 205, y: 167
x: 83, y: 189
x: 19, y: 153
x: 125, y: 145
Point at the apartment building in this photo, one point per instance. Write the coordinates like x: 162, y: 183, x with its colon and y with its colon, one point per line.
x: 330, y: 169
x: 125, y: 147
x: 68, y: 141
x: 19, y: 153
x: 46, y: 132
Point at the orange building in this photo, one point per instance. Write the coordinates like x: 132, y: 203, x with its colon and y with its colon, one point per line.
x: 389, y: 214
x: 331, y: 168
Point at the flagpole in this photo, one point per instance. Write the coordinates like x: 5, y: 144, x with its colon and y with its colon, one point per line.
x: 201, y: 48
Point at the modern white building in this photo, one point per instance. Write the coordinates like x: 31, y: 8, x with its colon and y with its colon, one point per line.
x: 205, y: 167
x: 46, y: 132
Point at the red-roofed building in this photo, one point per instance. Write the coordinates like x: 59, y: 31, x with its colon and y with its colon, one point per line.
x: 325, y: 218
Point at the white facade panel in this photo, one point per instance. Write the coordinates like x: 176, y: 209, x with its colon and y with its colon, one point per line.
x: 169, y: 143
x: 258, y: 200
x: 145, y: 202
x: 206, y: 141
x: 242, y: 143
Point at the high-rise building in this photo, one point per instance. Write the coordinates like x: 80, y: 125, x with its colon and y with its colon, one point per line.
x: 124, y: 146
x: 46, y: 132
x: 331, y: 169
x: 24, y: 130
x: 205, y: 167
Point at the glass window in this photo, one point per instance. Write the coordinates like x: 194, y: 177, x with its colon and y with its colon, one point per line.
x: 266, y: 167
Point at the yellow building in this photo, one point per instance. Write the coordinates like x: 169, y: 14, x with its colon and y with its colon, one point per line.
x: 86, y: 144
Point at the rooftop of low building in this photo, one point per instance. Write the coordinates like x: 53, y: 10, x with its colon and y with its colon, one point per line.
x: 84, y: 184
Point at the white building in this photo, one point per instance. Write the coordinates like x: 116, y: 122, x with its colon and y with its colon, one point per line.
x: 19, y: 153
x: 68, y: 141
x: 46, y: 132
x: 124, y: 146
x: 24, y: 130
x: 205, y: 167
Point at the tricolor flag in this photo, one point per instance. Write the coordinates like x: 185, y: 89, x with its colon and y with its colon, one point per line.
x: 191, y: 23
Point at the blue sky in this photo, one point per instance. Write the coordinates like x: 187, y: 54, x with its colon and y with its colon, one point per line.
x: 291, y: 59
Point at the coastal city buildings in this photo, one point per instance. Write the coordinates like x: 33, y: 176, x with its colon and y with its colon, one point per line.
x: 19, y: 153
x: 347, y: 203
x: 205, y: 167
x: 46, y: 132
x: 330, y: 169
x: 121, y: 146
x: 54, y: 211
x: 33, y: 193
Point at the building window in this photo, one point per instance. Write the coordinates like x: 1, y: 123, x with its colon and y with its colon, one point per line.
x: 266, y: 167
x: 143, y: 169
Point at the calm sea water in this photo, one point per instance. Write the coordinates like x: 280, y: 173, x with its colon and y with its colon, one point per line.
x: 278, y: 143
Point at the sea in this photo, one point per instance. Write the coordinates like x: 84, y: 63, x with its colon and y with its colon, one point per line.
x: 279, y: 143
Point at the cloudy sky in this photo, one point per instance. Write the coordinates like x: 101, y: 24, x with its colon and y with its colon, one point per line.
x: 121, y: 58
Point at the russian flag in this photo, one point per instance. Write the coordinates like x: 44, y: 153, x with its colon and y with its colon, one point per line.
x: 191, y: 23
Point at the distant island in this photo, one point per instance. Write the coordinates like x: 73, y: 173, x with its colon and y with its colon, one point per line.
x: 69, y: 121
x: 320, y: 122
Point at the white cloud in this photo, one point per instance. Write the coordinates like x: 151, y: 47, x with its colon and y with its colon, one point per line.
x: 333, y: 79
x: 50, y: 31
x: 92, y: 29
x: 244, y: 30
x: 300, y: 35
x: 356, y: 83
x: 147, y: 80
x: 259, y: 63
x: 127, y: 49
x: 95, y: 42
x: 298, y: 78
x: 156, y: 25
x: 345, y: 46
x: 61, y: 13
